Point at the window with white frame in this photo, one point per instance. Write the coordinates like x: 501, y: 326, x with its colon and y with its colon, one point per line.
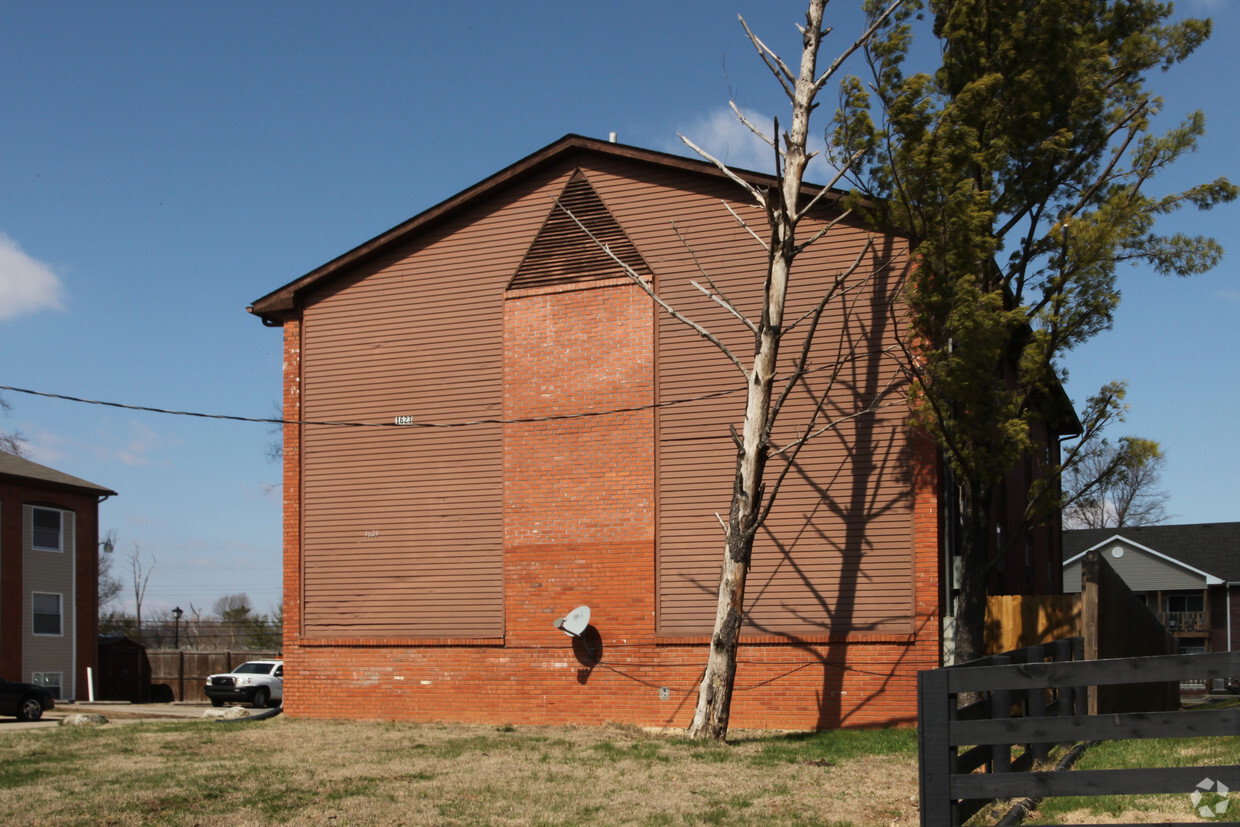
x: 46, y: 613
x: 48, y: 534
x: 48, y: 680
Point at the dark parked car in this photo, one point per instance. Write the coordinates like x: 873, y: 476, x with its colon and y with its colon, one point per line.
x: 24, y: 700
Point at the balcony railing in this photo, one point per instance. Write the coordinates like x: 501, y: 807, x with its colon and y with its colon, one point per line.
x: 1185, y: 622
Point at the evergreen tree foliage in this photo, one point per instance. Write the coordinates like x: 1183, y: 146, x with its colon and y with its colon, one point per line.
x: 1022, y: 172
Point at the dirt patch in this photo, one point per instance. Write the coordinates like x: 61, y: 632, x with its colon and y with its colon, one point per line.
x: 129, y: 712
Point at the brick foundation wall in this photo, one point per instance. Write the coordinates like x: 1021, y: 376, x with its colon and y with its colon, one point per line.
x: 579, y: 528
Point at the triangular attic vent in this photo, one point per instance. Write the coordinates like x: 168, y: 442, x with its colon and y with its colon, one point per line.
x: 562, y: 253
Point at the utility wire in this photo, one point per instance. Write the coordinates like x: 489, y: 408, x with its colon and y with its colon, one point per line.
x: 403, y: 424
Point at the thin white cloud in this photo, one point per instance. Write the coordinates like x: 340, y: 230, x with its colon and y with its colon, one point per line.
x: 26, y: 284
x: 1228, y: 294
x: 142, y: 446
x: 722, y: 134
x: 45, y: 447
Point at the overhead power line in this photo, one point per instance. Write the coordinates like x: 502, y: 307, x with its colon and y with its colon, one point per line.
x: 404, y: 422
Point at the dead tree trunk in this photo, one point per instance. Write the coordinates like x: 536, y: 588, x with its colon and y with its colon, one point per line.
x: 784, y: 210
x: 784, y: 207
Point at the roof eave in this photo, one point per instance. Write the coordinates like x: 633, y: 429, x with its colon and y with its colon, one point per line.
x: 1210, y: 579
x: 281, y: 305
x: 89, y: 489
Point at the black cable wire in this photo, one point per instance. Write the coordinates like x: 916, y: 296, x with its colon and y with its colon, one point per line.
x: 345, y: 424
x: 403, y: 424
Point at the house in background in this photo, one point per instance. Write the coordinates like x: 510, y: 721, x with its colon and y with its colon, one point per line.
x: 1189, y: 575
x: 49, y: 570
x: 494, y: 425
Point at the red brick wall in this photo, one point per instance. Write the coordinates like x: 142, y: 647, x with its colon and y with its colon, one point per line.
x: 579, y: 506
x: 292, y: 490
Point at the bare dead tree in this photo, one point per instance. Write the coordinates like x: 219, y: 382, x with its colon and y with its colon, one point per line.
x: 141, y: 577
x: 784, y: 205
x: 110, y: 586
x: 12, y: 442
x: 1118, y: 485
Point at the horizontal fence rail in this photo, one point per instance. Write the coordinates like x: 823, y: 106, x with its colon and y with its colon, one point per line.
x: 1034, y: 698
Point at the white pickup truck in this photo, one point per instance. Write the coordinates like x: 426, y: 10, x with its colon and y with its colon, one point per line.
x: 256, y: 682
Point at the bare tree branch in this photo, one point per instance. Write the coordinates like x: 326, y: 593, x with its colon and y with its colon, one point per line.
x: 773, y: 62
x: 859, y: 43
x: 747, y: 228
x: 752, y: 127
x: 757, y: 195
x: 636, y: 278
x: 726, y: 305
x: 719, y: 296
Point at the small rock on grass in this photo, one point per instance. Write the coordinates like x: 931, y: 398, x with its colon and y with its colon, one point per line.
x: 227, y: 712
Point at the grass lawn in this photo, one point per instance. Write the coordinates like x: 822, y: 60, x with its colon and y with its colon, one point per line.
x: 290, y: 771
x: 1154, y: 752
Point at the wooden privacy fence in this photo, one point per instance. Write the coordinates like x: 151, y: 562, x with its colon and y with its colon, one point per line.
x: 177, y: 675
x: 1033, y: 699
x: 1014, y: 621
x: 1111, y: 619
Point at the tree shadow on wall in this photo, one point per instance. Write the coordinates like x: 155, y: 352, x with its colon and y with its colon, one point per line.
x: 872, y: 481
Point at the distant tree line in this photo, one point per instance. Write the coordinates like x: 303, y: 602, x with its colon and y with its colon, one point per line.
x: 232, y: 624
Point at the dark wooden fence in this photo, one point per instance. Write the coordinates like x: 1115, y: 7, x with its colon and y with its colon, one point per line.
x: 124, y: 671
x: 1114, y: 622
x: 1034, y: 698
x: 179, y: 675
x: 1118, y: 624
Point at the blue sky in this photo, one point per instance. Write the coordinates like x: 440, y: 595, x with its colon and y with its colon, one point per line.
x: 163, y: 165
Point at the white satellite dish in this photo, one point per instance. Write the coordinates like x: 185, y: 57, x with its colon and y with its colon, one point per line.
x: 575, y: 622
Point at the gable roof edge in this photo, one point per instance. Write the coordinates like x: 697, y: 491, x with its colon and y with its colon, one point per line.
x: 17, y: 469
x: 1211, y: 579
x: 280, y: 305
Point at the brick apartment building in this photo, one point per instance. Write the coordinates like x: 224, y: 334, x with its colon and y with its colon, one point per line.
x: 49, y: 571
x: 527, y: 432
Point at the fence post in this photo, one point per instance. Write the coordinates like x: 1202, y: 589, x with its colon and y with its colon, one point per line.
x: 1065, y: 702
x: 1090, y: 618
x: 1000, y: 708
x: 934, y: 746
x: 1035, y: 702
x: 1081, y: 693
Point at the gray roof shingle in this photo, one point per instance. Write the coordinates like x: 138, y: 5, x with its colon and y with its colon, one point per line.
x: 12, y: 465
x: 1210, y: 547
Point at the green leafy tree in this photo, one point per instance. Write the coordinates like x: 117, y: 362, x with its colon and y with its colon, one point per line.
x: 242, y: 626
x: 1021, y: 170
x: 266, y: 631
x: 118, y: 623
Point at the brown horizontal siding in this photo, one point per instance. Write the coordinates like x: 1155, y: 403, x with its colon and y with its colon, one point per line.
x: 849, y: 564
x: 403, y: 526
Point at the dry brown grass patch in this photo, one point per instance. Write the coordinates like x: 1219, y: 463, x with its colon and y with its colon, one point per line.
x: 311, y: 772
